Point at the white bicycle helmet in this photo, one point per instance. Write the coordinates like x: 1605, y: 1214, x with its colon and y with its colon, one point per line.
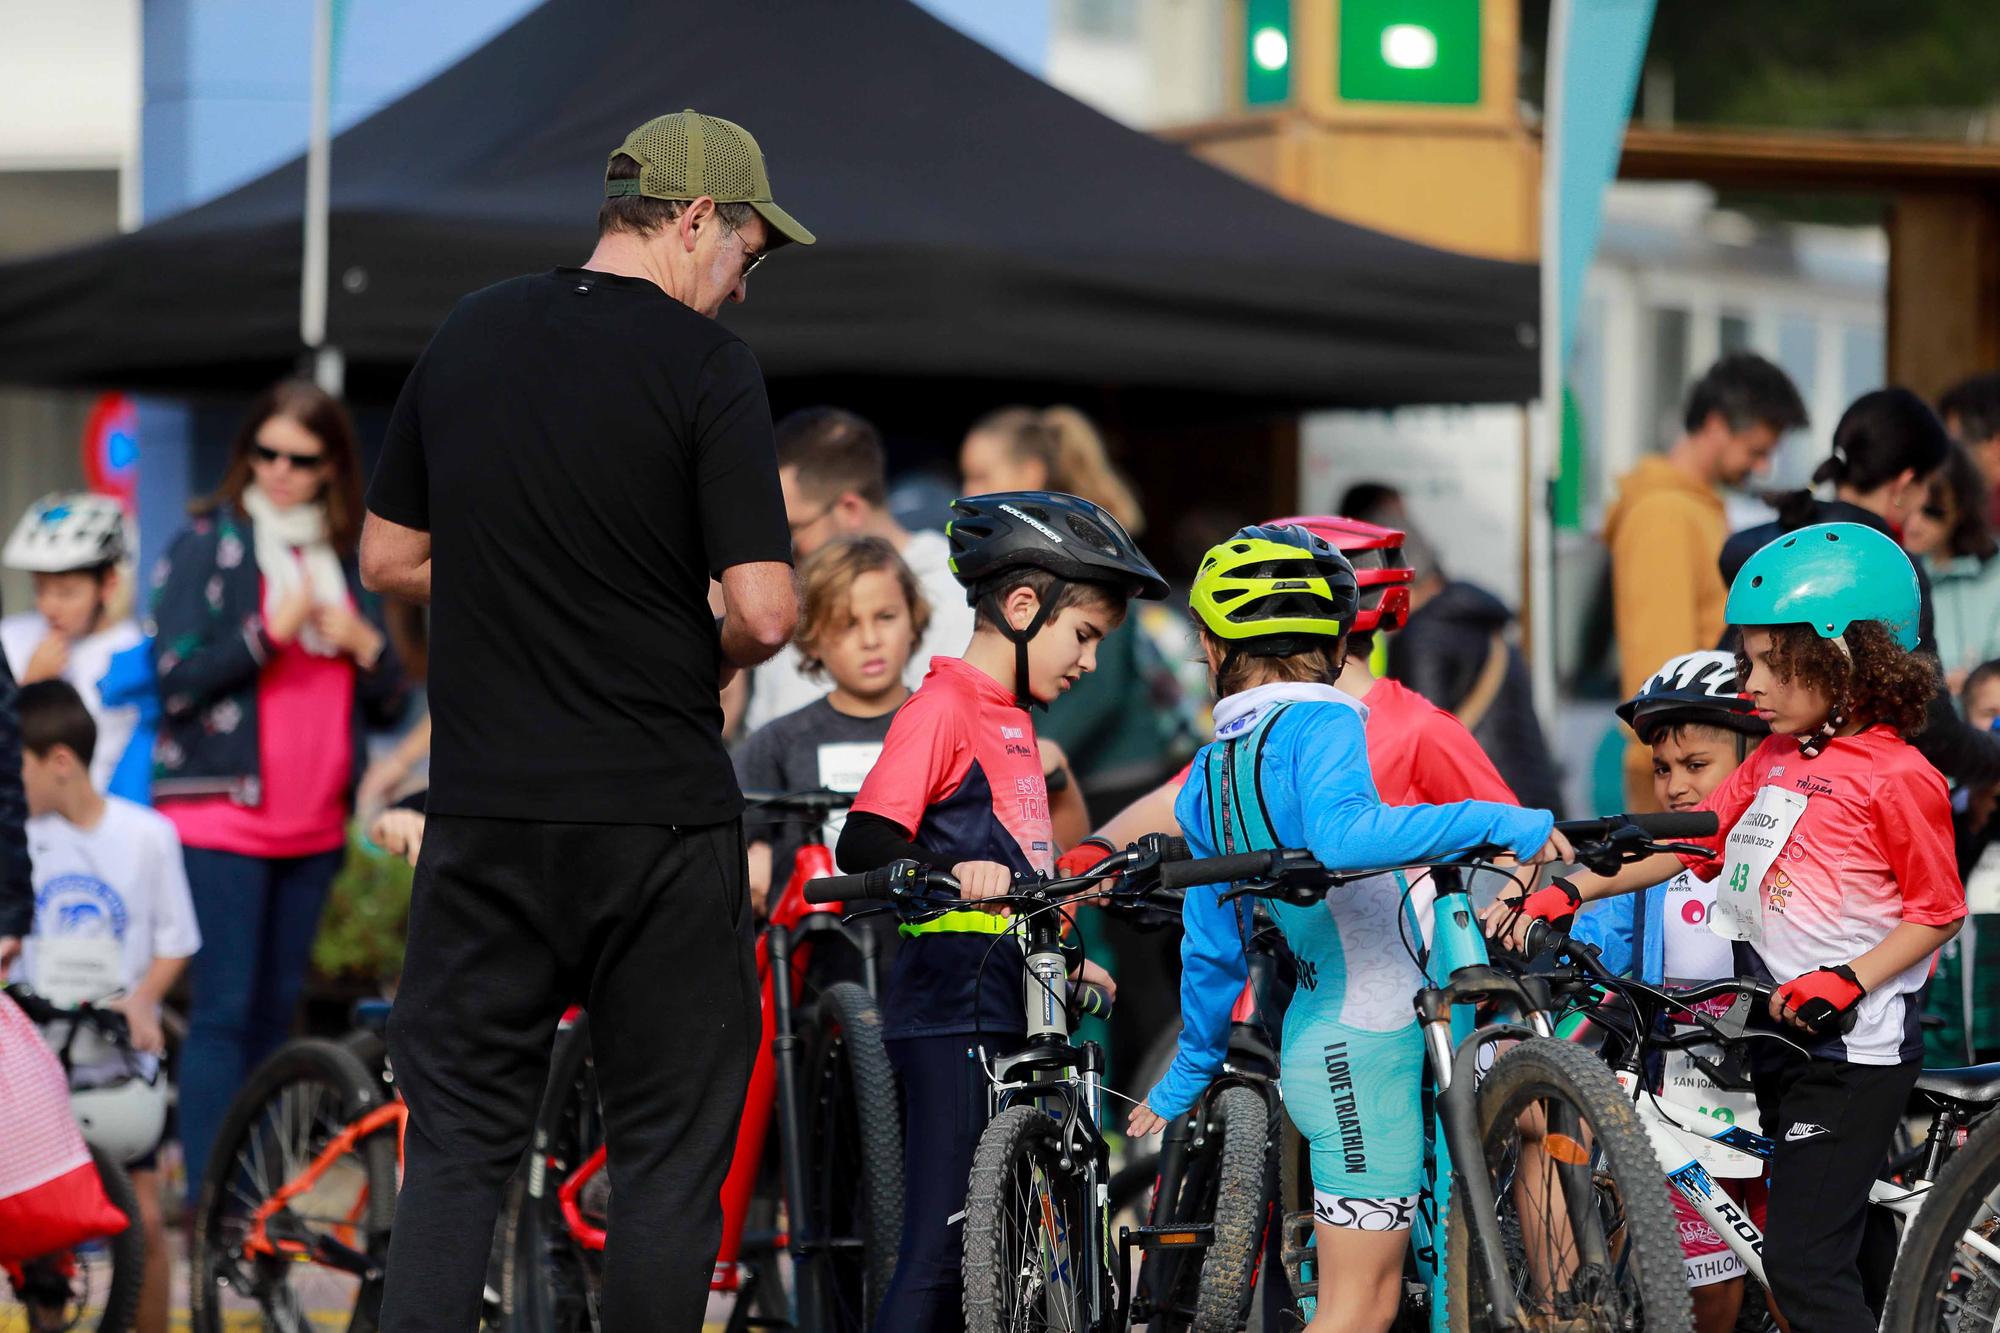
x: 67, y: 531
x: 122, y: 1119
x: 1694, y: 687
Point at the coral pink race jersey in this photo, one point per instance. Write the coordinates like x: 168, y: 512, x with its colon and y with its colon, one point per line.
x: 1422, y: 755
x: 960, y: 772
x: 1871, y: 849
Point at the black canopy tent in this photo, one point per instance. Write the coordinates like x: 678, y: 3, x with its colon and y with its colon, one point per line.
x: 974, y: 224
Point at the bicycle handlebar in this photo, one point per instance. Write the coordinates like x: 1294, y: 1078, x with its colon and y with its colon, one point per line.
x: 43, y: 1011
x: 811, y: 803
x: 1666, y: 826
x: 1662, y: 1000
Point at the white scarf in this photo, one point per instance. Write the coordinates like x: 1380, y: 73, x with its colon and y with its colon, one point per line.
x: 292, y: 550
x: 1237, y: 713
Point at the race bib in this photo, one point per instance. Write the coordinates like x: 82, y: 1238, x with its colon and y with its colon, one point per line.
x: 1982, y: 886
x: 73, y: 969
x: 1753, y: 844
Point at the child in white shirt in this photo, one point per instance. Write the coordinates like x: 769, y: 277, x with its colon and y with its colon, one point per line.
x: 114, y: 923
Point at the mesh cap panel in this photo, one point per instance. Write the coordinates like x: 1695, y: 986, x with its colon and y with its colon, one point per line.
x: 731, y: 163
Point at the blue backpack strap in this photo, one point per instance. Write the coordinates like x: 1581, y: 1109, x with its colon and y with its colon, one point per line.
x: 1238, y: 817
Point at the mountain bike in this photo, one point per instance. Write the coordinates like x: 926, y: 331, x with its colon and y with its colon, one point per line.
x: 1947, y: 1273
x: 1216, y: 1175
x: 1038, y: 1253
x: 292, y: 1225
x: 1528, y: 1217
x: 1640, y: 1024
x: 821, y: 1076
x: 93, y: 1285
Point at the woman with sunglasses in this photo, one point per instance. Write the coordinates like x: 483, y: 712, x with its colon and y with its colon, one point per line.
x: 1950, y: 540
x: 272, y: 661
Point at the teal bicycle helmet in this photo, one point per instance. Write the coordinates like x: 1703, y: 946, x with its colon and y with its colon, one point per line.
x: 1828, y: 575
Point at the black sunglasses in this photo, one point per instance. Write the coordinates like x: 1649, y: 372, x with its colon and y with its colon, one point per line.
x: 303, y: 462
x: 1935, y: 513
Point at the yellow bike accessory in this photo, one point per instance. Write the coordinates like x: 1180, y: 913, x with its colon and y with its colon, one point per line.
x: 961, y: 921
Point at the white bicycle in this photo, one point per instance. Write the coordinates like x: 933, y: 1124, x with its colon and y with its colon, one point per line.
x: 1701, y: 1145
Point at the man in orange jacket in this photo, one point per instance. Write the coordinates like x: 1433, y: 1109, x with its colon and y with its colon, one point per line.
x: 1667, y: 526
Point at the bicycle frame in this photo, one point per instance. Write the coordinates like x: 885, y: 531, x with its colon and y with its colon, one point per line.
x: 1462, y: 975
x: 332, y: 1250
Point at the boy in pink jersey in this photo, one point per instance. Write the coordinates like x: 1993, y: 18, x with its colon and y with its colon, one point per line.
x: 959, y: 787
x: 1837, y: 881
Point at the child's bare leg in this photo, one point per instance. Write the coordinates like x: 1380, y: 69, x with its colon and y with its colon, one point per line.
x: 1360, y: 1278
x: 159, y: 1262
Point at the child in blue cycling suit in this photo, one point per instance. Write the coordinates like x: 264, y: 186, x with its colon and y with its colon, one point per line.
x: 1289, y: 768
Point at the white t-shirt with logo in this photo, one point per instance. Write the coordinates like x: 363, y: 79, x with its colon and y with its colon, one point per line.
x: 89, y: 658
x: 781, y: 686
x: 108, y: 901
x: 1694, y: 953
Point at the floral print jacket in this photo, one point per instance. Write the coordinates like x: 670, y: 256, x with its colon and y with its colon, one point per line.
x: 209, y: 646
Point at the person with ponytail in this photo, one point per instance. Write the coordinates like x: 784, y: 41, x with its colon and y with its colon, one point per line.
x: 1886, y: 449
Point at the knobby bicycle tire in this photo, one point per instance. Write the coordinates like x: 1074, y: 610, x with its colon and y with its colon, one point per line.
x: 126, y: 1256
x: 1930, y: 1245
x: 295, y: 1067
x: 1627, y: 1175
x: 855, y: 1185
x: 535, y: 1246
x: 1229, y: 1268
x: 1020, y: 1146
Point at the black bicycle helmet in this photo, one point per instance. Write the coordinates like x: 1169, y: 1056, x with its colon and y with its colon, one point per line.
x: 1694, y: 687
x: 993, y: 536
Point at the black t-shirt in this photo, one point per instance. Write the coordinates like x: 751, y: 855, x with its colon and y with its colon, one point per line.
x: 814, y: 746
x: 585, y: 452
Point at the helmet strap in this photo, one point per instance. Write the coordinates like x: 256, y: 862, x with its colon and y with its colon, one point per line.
x: 996, y: 611
x: 1812, y: 742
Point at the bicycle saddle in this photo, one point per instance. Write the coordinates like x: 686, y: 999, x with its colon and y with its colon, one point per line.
x: 1972, y: 1085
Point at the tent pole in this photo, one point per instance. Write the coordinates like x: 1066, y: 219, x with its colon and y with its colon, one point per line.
x: 319, y: 149
x: 1542, y: 451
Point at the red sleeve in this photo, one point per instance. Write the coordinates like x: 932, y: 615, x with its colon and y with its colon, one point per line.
x: 1727, y: 803
x: 1914, y: 823
x: 1450, y: 766
x: 924, y: 758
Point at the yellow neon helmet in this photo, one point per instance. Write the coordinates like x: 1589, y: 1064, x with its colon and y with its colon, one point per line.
x: 1273, y: 590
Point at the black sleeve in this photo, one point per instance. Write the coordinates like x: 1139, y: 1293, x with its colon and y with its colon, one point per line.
x: 868, y: 841
x: 400, y: 490
x: 1955, y: 747
x: 382, y: 691
x: 736, y: 464
x: 17, y: 886
x: 1424, y: 661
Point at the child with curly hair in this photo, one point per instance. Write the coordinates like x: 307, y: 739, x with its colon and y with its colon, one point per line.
x: 1838, y: 885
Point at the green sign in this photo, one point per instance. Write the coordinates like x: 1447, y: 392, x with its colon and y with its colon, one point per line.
x: 1267, y: 52
x: 1409, y: 51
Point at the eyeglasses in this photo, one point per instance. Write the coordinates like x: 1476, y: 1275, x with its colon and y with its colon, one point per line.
x: 1935, y: 513
x: 751, y: 258
x: 303, y: 462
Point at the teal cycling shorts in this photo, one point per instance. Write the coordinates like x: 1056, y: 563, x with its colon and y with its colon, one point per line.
x: 1356, y: 1097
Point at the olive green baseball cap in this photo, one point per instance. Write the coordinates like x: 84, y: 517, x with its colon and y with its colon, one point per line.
x: 688, y: 155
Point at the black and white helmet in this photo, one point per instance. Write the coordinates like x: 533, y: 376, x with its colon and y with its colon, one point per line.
x: 68, y: 531
x: 1694, y: 687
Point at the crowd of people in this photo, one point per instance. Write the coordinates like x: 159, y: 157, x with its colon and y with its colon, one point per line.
x: 617, y: 520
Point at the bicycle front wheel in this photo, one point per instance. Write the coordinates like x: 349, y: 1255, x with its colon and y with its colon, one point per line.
x: 1948, y: 1272
x: 1029, y: 1256
x: 1582, y: 1228
x: 312, y: 1261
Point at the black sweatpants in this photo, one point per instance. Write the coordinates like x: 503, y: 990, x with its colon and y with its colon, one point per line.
x: 944, y: 1112
x: 1832, y: 1123
x: 649, y: 928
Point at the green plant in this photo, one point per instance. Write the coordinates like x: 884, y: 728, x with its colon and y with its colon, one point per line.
x: 367, y: 913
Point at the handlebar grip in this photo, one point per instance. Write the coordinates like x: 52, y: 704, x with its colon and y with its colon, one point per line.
x: 841, y: 888
x: 1671, y: 827
x: 1541, y: 936
x: 1215, y: 870
x: 1087, y: 999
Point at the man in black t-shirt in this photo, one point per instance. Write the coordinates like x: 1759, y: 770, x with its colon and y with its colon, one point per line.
x: 574, y: 457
